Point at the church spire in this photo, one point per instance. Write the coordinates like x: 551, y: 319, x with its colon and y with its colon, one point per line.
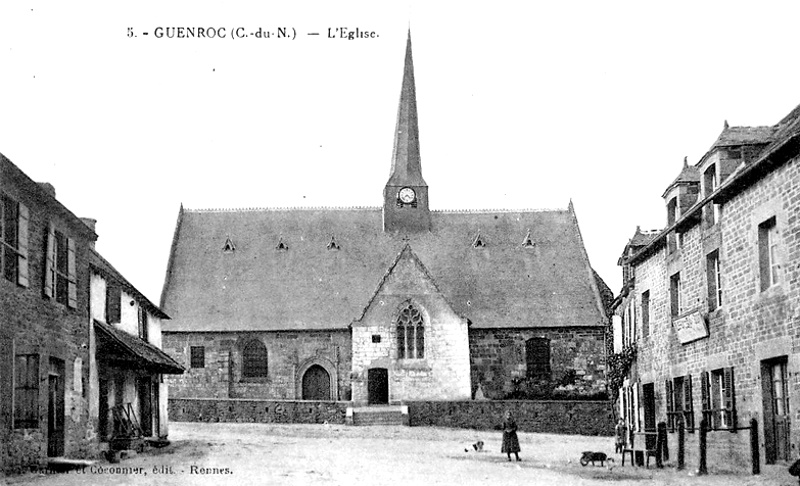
x: 406, y: 167
x: 405, y: 196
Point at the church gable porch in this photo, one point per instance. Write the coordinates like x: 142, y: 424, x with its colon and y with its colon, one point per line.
x: 409, y: 344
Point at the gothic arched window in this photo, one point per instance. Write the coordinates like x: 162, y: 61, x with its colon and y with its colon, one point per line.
x: 254, y: 360
x: 410, y: 333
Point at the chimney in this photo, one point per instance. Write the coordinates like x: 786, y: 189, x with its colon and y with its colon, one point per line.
x: 48, y: 188
x: 91, y: 223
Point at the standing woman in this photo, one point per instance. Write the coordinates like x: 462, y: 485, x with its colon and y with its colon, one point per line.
x: 510, y: 440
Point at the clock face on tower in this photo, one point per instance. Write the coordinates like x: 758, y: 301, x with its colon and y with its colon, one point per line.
x: 407, y: 195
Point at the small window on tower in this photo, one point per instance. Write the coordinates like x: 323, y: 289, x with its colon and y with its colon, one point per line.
x: 333, y: 245
x: 478, y: 242
x: 281, y: 245
x: 228, y: 247
x: 528, y: 242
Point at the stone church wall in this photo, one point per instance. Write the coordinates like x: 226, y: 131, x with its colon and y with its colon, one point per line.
x: 498, y: 359
x: 289, y: 354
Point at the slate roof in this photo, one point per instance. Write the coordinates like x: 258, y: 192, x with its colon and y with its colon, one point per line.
x: 734, y: 136
x: 689, y: 175
x: 781, y: 144
x: 100, y: 264
x: 117, y: 345
x: 308, y: 287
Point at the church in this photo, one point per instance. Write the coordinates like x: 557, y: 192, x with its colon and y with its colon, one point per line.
x: 383, y: 304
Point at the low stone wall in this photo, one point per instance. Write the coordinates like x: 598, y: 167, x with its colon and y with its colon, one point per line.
x: 555, y: 417
x: 256, y: 411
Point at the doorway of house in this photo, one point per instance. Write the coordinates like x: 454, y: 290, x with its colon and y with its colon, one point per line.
x: 378, y: 386
x: 103, y: 409
x: 775, y: 393
x: 55, y: 408
x: 649, y: 397
x: 316, y: 384
x: 144, y: 387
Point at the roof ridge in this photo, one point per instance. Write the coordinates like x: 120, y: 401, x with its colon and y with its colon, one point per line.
x: 506, y: 210
x: 284, y: 208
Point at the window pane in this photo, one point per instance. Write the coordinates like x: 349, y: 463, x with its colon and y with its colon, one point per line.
x: 401, y: 342
x: 254, y: 359
x: 420, y: 341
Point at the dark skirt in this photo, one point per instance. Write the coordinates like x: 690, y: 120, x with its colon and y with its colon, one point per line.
x: 510, y: 442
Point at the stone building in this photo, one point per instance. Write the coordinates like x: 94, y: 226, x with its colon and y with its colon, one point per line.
x: 44, y: 330
x: 384, y: 304
x: 127, y: 390
x: 711, y: 301
x: 56, y: 341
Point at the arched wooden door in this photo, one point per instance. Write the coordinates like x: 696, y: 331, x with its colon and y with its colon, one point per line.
x: 316, y: 384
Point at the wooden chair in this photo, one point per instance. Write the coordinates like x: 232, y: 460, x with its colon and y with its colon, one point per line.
x: 650, y: 447
x: 628, y: 448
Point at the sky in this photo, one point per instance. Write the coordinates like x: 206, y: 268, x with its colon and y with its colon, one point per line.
x: 522, y: 105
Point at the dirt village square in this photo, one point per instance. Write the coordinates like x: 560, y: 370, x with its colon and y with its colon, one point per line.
x: 295, y: 454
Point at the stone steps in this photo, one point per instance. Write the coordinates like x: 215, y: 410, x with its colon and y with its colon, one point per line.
x: 378, y: 415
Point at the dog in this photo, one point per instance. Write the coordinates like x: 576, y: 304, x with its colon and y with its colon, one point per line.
x: 590, y: 456
x: 478, y: 447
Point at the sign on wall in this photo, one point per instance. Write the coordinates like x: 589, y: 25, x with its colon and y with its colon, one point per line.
x: 690, y: 327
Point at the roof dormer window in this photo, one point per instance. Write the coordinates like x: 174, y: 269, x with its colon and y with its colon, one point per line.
x: 528, y: 242
x: 478, y: 242
x: 228, y: 247
x: 672, y: 216
x: 333, y: 245
x: 281, y: 245
x: 710, y: 211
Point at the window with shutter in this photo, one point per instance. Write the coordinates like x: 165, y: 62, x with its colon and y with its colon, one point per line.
x: 713, y: 281
x: 670, y: 399
x: 113, y: 302
x: 675, y: 294
x: 143, y: 324
x: 688, y: 407
x: 26, y: 391
x: 646, y: 313
x: 13, y: 240
x: 72, y: 276
x: 768, y: 253
x: 729, y: 397
x: 705, y: 398
x: 60, y: 269
x: 50, y: 265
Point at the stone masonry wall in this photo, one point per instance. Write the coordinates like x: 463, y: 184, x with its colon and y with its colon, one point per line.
x: 257, y: 411
x: 557, y: 417
x: 498, y: 357
x: 554, y: 417
x: 289, y: 354
x: 31, y: 323
x: 750, y: 326
x: 443, y: 372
